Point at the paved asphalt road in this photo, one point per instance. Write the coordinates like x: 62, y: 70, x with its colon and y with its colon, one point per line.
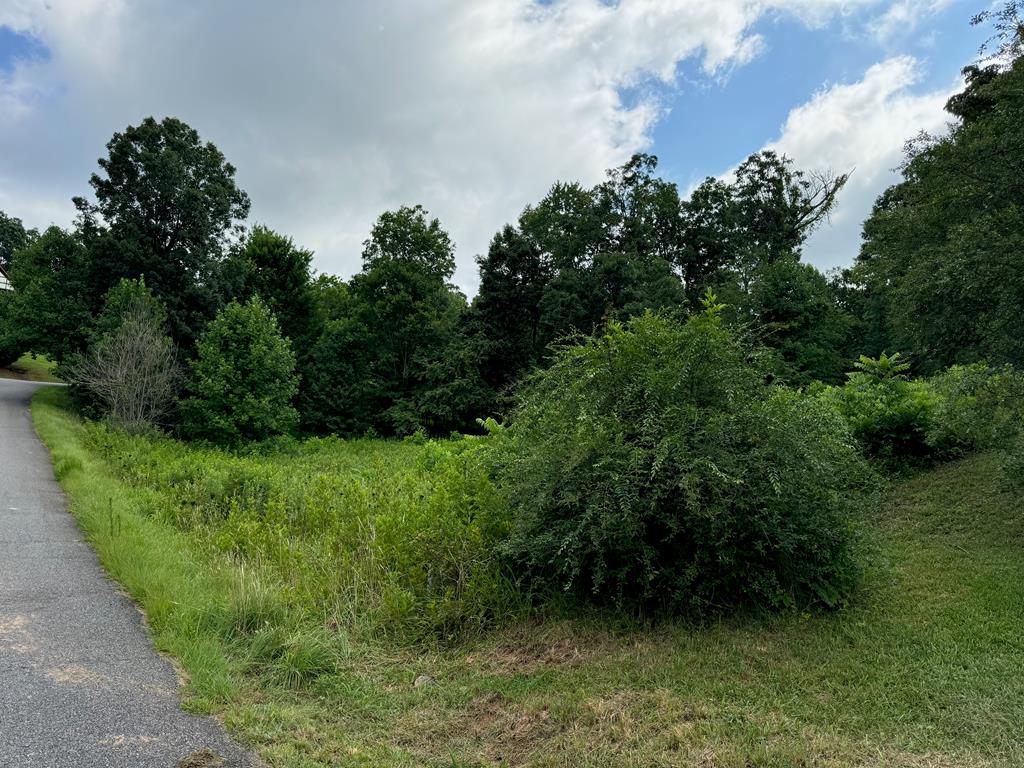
x: 80, y: 683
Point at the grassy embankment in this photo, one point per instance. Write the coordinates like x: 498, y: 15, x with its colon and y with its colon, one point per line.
x: 923, y: 670
x: 30, y: 368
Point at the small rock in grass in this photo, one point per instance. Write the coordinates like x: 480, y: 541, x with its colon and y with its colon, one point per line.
x: 422, y: 681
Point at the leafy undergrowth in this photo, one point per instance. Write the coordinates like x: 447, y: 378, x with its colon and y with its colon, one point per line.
x: 29, y: 368
x: 923, y: 670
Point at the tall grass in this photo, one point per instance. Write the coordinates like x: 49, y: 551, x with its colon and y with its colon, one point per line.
x: 182, y: 595
x: 382, y: 539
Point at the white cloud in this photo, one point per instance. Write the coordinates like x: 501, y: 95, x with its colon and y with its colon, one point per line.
x: 862, y: 127
x: 902, y: 18
x: 333, y: 112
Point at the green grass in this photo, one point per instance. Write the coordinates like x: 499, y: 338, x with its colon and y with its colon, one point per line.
x: 30, y: 368
x: 923, y: 669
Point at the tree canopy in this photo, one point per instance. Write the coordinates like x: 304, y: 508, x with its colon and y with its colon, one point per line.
x: 165, y: 205
x: 941, y: 254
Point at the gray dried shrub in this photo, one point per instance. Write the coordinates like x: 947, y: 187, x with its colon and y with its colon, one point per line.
x: 132, y: 371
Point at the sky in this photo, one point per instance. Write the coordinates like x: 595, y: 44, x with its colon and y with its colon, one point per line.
x: 335, y: 111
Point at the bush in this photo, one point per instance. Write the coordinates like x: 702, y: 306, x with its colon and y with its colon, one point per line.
x: 1013, y: 467
x: 653, y: 468
x: 243, y: 379
x: 978, y: 408
x: 889, y: 415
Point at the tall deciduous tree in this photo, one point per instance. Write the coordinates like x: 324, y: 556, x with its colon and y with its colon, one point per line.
x: 13, y: 236
x: 165, y: 203
x: 50, y: 309
x: 269, y: 265
x: 576, y: 258
x: 778, y: 205
x: 941, y: 259
x: 710, y: 238
x: 369, y: 368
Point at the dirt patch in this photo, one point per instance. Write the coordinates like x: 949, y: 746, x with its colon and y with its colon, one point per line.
x: 14, y: 634
x: 890, y: 759
x: 527, y: 651
x: 508, y: 735
x: 491, y: 730
x: 204, y: 758
x: 73, y: 674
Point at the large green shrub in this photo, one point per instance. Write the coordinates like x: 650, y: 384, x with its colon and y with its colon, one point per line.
x: 978, y: 407
x: 243, y: 379
x: 889, y: 414
x: 652, y: 467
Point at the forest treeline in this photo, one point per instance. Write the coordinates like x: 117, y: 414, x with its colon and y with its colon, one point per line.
x: 162, y: 243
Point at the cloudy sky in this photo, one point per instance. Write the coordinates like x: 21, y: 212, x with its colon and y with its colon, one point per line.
x: 334, y: 111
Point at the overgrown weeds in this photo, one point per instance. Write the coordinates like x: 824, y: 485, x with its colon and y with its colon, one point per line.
x: 380, y: 539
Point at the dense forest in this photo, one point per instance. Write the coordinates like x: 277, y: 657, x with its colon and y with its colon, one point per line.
x: 397, y: 348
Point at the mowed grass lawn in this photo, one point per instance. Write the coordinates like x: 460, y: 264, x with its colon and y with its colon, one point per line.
x: 29, y: 368
x: 924, y: 669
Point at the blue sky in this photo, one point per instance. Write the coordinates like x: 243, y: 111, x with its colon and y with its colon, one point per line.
x: 746, y: 111
x: 14, y: 46
x: 334, y: 114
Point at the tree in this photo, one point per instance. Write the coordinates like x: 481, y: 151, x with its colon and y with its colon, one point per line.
x: 1008, y: 24
x: 270, y: 266
x: 10, y: 343
x: 340, y: 392
x: 243, y: 378
x: 408, y: 309
x: 709, y: 239
x: 642, y: 209
x: 507, y: 310
x: 50, y: 309
x: 411, y: 238
x: 797, y: 314
x: 165, y: 203
x: 576, y: 258
x: 612, y: 248
x: 383, y: 331
x: 126, y: 298
x: 331, y: 299
x: 778, y: 206
x: 130, y: 370
x: 13, y: 237
x: 456, y: 394
x: 941, y: 252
